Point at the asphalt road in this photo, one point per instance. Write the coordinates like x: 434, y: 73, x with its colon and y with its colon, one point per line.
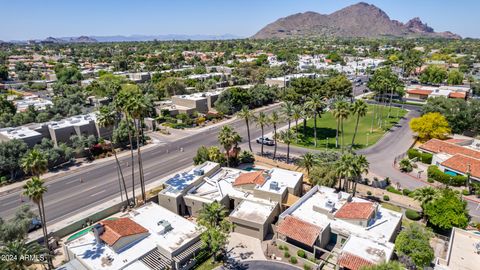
x: 258, y: 265
x: 67, y: 195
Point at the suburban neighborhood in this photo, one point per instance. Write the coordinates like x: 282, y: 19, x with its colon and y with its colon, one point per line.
x: 339, y: 140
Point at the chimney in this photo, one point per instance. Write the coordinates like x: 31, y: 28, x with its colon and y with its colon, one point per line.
x: 98, y: 230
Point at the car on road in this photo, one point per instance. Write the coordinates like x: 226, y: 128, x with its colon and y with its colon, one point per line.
x: 265, y: 141
x: 35, y: 224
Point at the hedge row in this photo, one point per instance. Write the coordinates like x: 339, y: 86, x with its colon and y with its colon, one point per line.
x: 434, y: 173
x: 423, y: 157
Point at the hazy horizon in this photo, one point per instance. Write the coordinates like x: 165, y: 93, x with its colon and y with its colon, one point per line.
x: 57, y: 18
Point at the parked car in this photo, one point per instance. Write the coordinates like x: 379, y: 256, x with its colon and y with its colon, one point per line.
x: 265, y: 141
x: 34, y: 225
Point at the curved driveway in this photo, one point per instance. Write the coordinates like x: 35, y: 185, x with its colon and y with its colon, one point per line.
x: 259, y: 265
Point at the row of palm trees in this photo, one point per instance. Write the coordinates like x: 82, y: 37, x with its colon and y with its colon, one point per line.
x: 349, y: 168
x: 313, y: 107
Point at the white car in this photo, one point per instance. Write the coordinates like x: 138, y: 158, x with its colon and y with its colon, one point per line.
x: 265, y: 141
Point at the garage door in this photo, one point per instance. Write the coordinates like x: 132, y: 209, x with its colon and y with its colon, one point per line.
x: 247, y: 230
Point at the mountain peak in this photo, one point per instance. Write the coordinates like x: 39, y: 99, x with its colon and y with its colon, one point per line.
x: 358, y: 20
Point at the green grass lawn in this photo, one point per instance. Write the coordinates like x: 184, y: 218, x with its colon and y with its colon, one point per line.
x: 327, y: 125
x: 391, y: 207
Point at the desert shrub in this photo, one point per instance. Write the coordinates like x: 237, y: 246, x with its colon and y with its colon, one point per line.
x: 286, y: 254
x: 393, y: 190
x: 293, y: 260
x: 301, y: 253
x: 386, y: 198
x: 465, y: 192
x: 406, y: 192
x: 280, y: 247
x: 307, y: 267
x: 369, y: 193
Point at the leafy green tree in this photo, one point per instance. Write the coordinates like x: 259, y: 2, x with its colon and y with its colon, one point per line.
x: 34, y: 189
x: 170, y: 87
x: 413, y: 243
x: 405, y: 165
x: 6, y: 106
x: 323, y: 175
x: 339, y: 87
x: 3, y: 73
x: 213, y: 217
x: 360, y: 109
x: 16, y: 228
x: 229, y: 139
x: 447, y: 210
x: 429, y: 126
x: 455, y: 77
x: 433, y: 75
x: 11, y: 155
x: 68, y: 75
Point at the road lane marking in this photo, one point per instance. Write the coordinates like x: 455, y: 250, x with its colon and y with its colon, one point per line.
x: 100, y: 192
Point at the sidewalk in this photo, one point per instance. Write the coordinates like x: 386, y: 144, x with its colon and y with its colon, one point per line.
x: 49, y: 176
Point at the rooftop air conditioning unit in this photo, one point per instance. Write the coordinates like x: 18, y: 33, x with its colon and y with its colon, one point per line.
x: 198, y: 172
x: 329, y: 204
x: 165, y: 227
x: 274, y: 185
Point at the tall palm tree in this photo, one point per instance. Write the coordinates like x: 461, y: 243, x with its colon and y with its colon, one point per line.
x: 360, y: 109
x: 34, y: 162
x: 425, y: 195
x: 341, y: 112
x: 274, y: 120
x: 307, y: 113
x: 345, y: 170
x: 361, y: 165
x: 307, y: 161
x: 107, y: 117
x: 123, y: 99
x: 316, y: 105
x: 229, y: 139
x: 34, y: 189
x: 297, y: 113
x: 138, y: 106
x: 287, y: 110
x: 246, y: 114
x: 287, y: 136
x: 262, y: 122
x: 17, y: 250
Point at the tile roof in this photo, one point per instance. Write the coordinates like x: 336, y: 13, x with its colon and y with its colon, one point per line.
x: 461, y: 162
x: 456, y: 141
x: 299, y: 230
x: 356, y: 210
x: 419, y: 92
x: 250, y: 178
x: 118, y: 228
x: 438, y: 146
x: 351, y: 261
x: 457, y: 95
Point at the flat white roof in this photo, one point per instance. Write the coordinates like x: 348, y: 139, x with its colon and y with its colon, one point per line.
x: 463, y: 253
x: 19, y: 133
x: 88, y: 252
x: 253, y: 211
x: 78, y: 120
x: 369, y: 250
x: 381, y: 228
x: 199, y: 96
x: 180, y: 181
x: 284, y: 178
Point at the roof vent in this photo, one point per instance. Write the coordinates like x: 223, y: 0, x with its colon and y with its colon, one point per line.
x: 198, y: 172
x: 329, y: 204
x: 165, y: 227
x: 274, y: 185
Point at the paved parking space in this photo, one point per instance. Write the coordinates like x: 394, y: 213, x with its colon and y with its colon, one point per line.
x: 241, y: 247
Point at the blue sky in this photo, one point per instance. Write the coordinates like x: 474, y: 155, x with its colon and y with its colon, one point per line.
x: 38, y: 19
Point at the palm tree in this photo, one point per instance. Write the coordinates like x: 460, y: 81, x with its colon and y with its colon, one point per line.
x: 262, y: 122
x: 341, y: 112
x: 307, y: 113
x: 34, y: 189
x: 246, y: 114
x: 361, y: 165
x: 425, y: 195
x: 17, y: 250
x: 138, y: 106
x: 287, y: 137
x: 345, y: 170
x: 34, y: 162
x: 297, y: 113
x: 315, y: 104
x: 287, y: 109
x: 274, y: 119
x: 359, y: 108
x: 229, y: 139
x: 107, y: 117
x: 307, y: 161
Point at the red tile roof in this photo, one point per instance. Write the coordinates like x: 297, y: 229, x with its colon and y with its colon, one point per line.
x: 461, y: 162
x: 250, y: 178
x: 456, y: 141
x: 299, y: 230
x: 419, y: 92
x: 356, y: 210
x: 352, y: 262
x: 457, y: 95
x: 438, y: 146
x: 118, y: 228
